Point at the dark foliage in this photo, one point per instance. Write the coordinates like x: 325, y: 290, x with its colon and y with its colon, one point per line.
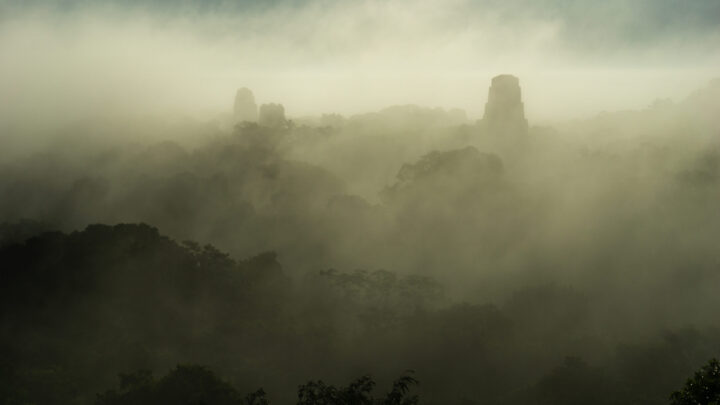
x: 196, y: 385
x: 359, y: 392
x: 185, y: 385
x: 75, y: 307
x: 702, y: 389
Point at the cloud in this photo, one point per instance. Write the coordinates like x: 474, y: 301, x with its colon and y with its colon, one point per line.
x: 75, y: 57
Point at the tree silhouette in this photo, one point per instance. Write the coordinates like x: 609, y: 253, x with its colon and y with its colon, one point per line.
x: 398, y: 394
x: 359, y: 392
x: 702, y: 389
x: 197, y: 385
x: 185, y: 385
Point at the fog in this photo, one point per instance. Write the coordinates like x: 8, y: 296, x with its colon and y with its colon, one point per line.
x: 73, y: 59
x: 518, y: 201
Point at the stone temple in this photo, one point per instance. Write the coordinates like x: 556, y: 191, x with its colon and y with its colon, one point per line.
x: 504, y: 111
x: 245, y: 107
x: 272, y: 115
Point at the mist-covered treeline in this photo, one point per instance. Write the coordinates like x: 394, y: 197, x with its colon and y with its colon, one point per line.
x: 78, y: 308
x: 573, y: 264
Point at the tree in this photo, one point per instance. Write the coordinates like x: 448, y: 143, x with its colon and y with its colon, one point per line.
x: 398, y: 394
x: 185, y: 385
x: 358, y: 392
x: 197, y: 385
x: 702, y: 389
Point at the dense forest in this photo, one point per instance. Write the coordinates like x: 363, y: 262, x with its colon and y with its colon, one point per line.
x: 359, y: 202
x: 235, y: 260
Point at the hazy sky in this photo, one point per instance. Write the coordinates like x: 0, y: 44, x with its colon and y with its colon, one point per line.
x: 65, y: 59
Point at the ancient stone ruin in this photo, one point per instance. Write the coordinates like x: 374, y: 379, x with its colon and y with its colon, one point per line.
x: 504, y: 111
x: 272, y: 115
x: 245, y: 107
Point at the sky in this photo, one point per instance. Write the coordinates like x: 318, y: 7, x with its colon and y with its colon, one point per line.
x: 63, y: 60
